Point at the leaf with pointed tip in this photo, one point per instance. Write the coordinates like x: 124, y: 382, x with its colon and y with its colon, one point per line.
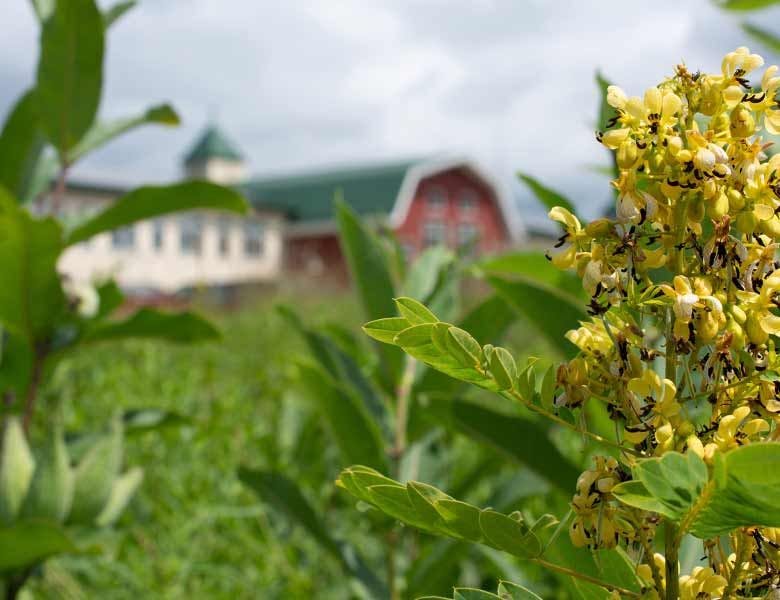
x: 113, y: 14
x: 746, y: 5
x: 356, y: 434
x: 770, y: 40
x: 741, y: 491
x: 152, y: 201
x: 21, y: 144
x: 368, y: 266
x: 535, y: 266
x: 548, y: 197
x: 385, y: 330
x: 70, y: 72
x: 414, y: 311
x: 431, y: 510
x: 102, y: 133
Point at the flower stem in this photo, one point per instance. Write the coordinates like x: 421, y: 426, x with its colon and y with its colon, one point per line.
x: 671, y: 550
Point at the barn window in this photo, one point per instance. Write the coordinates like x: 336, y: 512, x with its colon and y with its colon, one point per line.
x: 123, y: 238
x: 158, y: 232
x: 191, y: 234
x: 467, y: 234
x: 434, y: 232
x: 223, y: 237
x: 253, y: 238
x: 467, y: 201
x: 436, y: 199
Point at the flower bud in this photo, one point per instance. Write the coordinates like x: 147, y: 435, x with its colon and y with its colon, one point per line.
x: 770, y: 227
x: 614, y: 137
x: 741, y: 124
x: 736, y: 200
x: 711, y: 97
x: 718, y: 208
x: 696, y: 209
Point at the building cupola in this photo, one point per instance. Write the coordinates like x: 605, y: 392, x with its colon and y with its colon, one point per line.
x: 215, y: 158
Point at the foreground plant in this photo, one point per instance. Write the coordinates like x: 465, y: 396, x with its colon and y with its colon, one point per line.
x: 680, y: 350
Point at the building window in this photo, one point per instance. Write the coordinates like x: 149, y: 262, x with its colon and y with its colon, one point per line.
x: 191, y: 235
x: 158, y: 234
x: 123, y: 238
x: 467, y: 234
x: 434, y: 232
x: 436, y: 199
x: 467, y: 201
x: 253, y: 238
x: 223, y: 237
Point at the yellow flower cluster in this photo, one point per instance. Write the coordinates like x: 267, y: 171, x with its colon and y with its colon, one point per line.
x: 684, y: 285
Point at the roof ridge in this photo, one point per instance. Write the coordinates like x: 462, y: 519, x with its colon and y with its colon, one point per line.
x: 325, y: 173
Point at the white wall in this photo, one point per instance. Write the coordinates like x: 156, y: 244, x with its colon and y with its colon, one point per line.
x: 168, y: 269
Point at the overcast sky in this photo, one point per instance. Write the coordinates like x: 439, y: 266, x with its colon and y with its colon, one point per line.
x: 299, y: 84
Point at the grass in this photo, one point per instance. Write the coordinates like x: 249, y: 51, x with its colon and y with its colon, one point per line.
x: 194, y: 530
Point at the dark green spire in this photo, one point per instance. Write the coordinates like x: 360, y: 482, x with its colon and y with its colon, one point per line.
x: 212, y: 144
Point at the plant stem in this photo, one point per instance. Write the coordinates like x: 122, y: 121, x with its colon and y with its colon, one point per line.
x: 742, y: 551
x: 648, y: 550
x: 671, y: 550
x: 403, y: 395
x: 604, y: 584
x: 555, y: 418
x: 32, y: 390
x: 59, y: 191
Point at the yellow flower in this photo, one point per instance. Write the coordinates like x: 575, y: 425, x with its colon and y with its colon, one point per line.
x: 702, y: 584
x: 564, y: 258
x: 757, y: 305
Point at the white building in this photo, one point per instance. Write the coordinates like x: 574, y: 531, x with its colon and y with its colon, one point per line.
x: 181, y: 250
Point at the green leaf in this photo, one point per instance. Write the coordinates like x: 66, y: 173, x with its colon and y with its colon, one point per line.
x: 513, y: 591
x: 520, y: 439
x: 21, y: 144
x: 102, y: 133
x: 473, y: 594
x: 95, y: 475
x: 538, y: 302
x: 16, y: 363
x: 371, y: 276
x: 110, y: 296
x: 144, y: 420
x: 184, y: 327
x: 116, y: 11
x: 17, y: 466
x: 414, y: 312
x: 356, y: 434
x: 287, y: 498
x: 27, y: 543
x: 417, y: 504
x: 770, y: 40
x: 51, y: 491
x: 742, y: 490
x: 122, y: 491
x: 43, y: 8
x: 70, y: 72
x: 487, y: 321
x: 533, y: 265
x: 31, y: 296
x: 426, y: 272
x: 152, y: 201
x: 549, y: 198
x: 746, y: 5
x: 385, y: 330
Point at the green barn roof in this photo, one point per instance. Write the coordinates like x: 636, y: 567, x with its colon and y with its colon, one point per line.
x: 369, y: 190
x: 213, y: 143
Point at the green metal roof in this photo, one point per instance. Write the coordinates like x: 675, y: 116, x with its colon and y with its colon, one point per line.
x: 369, y: 190
x: 212, y: 144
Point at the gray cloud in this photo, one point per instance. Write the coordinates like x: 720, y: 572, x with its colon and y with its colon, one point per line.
x: 312, y: 82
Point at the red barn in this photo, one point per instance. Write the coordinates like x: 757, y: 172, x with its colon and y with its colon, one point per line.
x: 451, y: 202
